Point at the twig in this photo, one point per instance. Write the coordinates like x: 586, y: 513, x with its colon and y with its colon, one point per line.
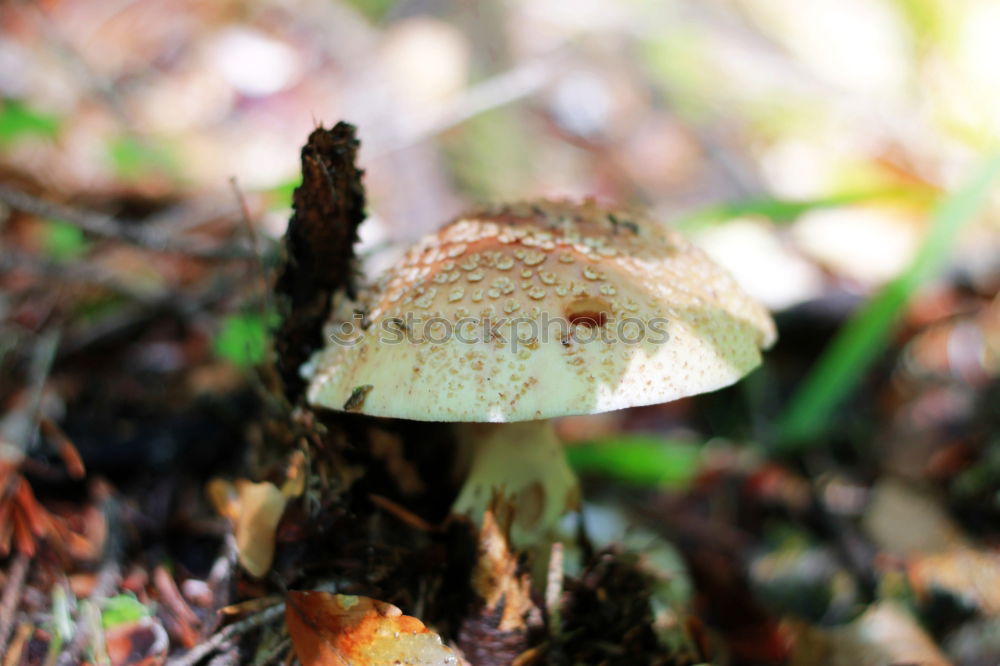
x: 274, y: 653
x: 230, y: 657
x: 132, y: 316
x: 494, y: 92
x: 172, y: 599
x: 554, y: 589
x: 16, y: 647
x: 268, y: 373
x: 76, y: 273
x: 265, y: 305
x: 220, y: 582
x: 81, y: 68
x: 20, y: 428
x: 16, y: 576
x: 223, y: 636
x: 107, y: 226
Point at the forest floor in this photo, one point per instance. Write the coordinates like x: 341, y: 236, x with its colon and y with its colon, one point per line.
x: 166, y: 495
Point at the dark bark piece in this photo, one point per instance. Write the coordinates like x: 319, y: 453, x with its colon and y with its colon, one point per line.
x: 319, y: 246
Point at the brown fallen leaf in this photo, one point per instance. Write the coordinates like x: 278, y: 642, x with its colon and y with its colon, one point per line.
x: 141, y: 643
x: 340, y: 630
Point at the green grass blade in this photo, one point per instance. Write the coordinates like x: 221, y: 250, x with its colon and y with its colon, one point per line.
x: 863, y: 336
x: 783, y: 211
x: 642, y: 460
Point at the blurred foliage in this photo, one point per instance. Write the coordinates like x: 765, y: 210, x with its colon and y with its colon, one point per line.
x: 17, y: 120
x: 243, y: 338
x: 374, y: 10
x: 488, y: 156
x: 136, y: 159
x: 862, y: 338
x: 122, y: 609
x: 63, y: 241
x: 637, y: 459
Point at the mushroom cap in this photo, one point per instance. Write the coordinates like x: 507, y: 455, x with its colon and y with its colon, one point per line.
x: 536, y: 310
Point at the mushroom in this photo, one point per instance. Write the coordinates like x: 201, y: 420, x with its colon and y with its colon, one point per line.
x: 513, y: 315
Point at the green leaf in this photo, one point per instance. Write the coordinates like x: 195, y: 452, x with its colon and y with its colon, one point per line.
x: 17, y: 121
x: 243, y: 339
x: 122, y: 609
x: 279, y: 197
x: 637, y: 459
x: 63, y: 241
x: 864, y: 336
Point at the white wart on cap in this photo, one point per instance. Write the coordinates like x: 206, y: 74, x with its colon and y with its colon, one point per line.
x: 544, y: 309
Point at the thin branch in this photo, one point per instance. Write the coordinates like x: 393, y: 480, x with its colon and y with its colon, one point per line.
x: 265, y: 305
x: 16, y: 576
x: 78, y: 273
x: 223, y: 636
x: 132, y: 317
x: 20, y: 427
x: 79, y: 66
x: 502, y: 89
x: 107, y: 226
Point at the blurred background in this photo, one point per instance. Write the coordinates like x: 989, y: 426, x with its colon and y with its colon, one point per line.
x: 838, y: 156
x: 876, y: 106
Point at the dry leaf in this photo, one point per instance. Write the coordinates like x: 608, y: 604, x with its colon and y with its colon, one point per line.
x: 884, y: 634
x: 903, y: 520
x: 255, y: 509
x: 141, y: 643
x: 295, y: 476
x: 970, y: 575
x: 340, y: 630
x: 495, y: 578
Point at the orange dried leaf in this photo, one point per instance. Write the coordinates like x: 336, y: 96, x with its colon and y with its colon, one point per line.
x: 23, y: 538
x: 6, y: 525
x: 34, y: 514
x: 64, y: 446
x: 339, y: 630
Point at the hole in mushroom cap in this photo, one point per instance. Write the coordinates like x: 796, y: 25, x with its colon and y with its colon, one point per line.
x: 589, y: 312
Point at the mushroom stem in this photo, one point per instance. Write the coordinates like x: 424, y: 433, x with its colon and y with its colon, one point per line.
x: 523, y: 461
